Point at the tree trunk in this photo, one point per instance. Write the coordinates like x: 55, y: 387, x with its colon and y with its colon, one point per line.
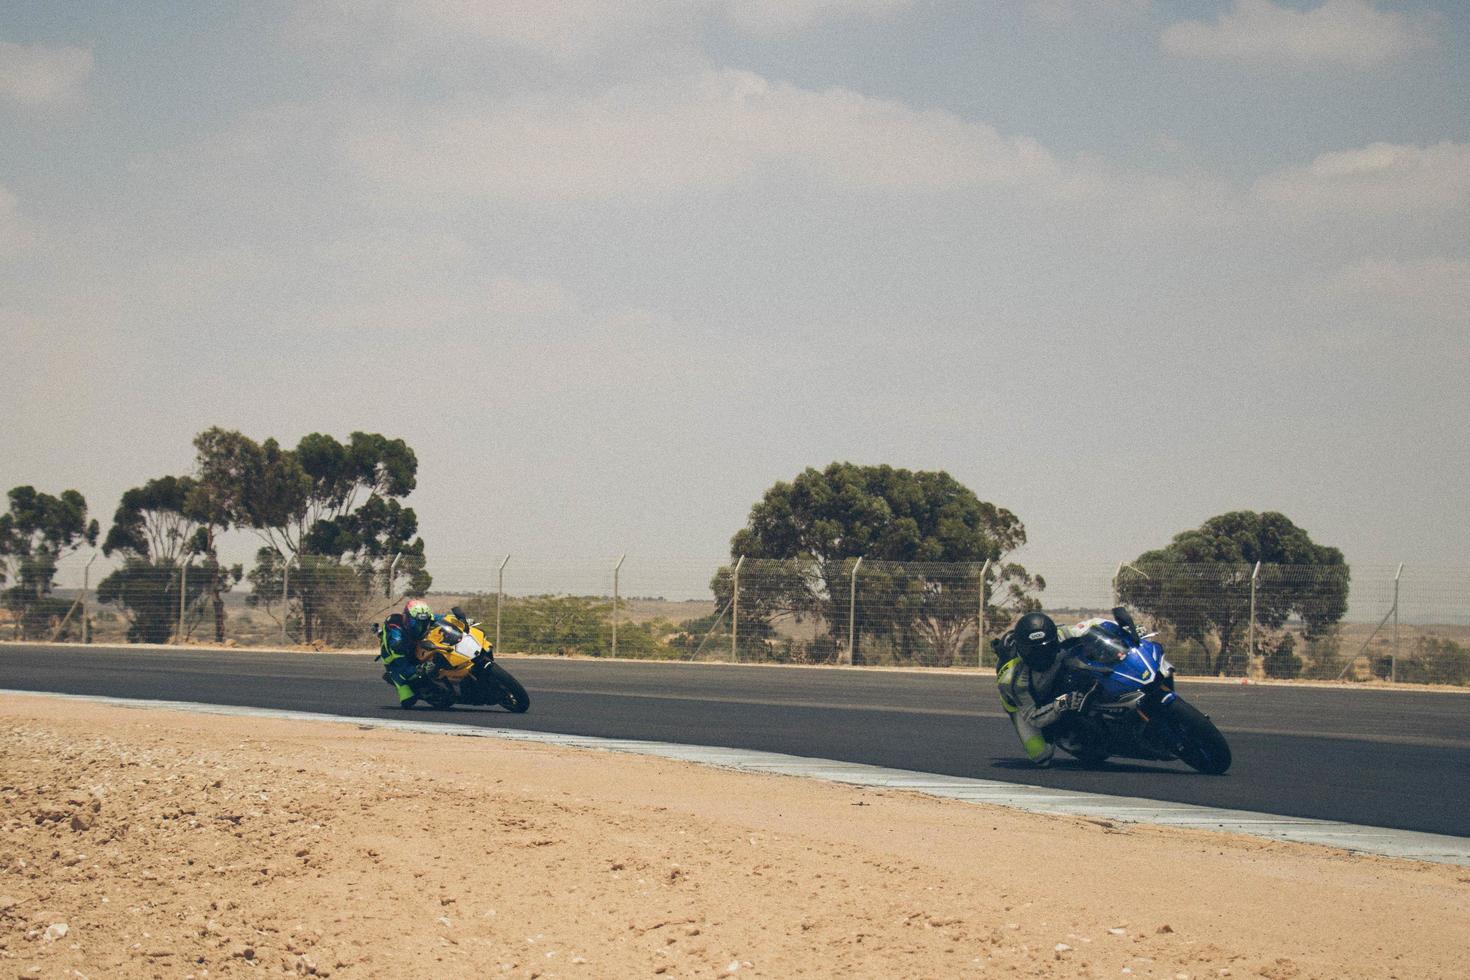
x: 219, y: 613
x: 1227, y: 638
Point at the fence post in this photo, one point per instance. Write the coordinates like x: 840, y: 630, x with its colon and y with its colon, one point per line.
x: 852, y: 612
x: 499, y: 594
x: 735, y: 610
x: 183, y: 590
x: 1393, y: 663
x: 980, y: 620
x: 1250, y: 648
x: 285, y: 596
x: 616, y: 570
x: 86, y: 583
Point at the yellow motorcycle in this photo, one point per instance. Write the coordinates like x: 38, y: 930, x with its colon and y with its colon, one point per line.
x: 465, y: 671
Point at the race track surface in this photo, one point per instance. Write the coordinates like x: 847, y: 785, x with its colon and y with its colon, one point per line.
x: 1382, y: 758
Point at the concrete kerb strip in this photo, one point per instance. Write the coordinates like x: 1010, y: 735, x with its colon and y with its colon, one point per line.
x: 1402, y: 844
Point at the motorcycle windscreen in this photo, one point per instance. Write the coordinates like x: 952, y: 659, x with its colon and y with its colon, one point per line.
x: 1103, y: 646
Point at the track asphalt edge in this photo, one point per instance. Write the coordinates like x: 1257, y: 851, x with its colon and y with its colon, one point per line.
x: 1404, y: 844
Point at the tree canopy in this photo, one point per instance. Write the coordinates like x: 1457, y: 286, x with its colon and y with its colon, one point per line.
x: 1200, y: 582
x: 901, y: 523
x: 153, y: 521
x: 35, y: 532
x: 329, y: 507
x: 159, y: 528
x: 324, y: 494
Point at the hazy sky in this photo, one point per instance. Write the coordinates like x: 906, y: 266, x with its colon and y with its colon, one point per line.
x: 614, y: 268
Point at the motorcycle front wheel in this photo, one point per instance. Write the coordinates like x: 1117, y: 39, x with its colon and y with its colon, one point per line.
x: 1198, y: 743
x: 512, y: 696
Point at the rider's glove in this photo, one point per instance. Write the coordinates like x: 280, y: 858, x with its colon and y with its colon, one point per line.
x: 1071, y: 701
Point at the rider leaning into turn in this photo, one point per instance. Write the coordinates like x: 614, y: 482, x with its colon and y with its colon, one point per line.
x: 1031, y: 681
x: 400, y: 641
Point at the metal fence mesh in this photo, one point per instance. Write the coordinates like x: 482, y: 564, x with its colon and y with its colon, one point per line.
x: 1404, y: 623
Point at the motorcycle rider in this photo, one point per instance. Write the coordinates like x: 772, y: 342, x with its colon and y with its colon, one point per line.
x: 399, y: 640
x: 1032, y: 682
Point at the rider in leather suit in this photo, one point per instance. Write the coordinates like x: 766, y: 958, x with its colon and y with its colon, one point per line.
x: 1032, y: 679
x: 399, y: 641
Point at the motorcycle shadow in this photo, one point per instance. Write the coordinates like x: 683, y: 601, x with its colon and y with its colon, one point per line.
x: 1060, y: 764
x: 451, y: 709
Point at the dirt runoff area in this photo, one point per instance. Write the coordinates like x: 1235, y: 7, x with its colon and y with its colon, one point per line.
x: 149, y: 843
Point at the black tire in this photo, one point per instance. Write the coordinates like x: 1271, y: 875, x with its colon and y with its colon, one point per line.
x: 1198, y: 743
x: 513, y: 697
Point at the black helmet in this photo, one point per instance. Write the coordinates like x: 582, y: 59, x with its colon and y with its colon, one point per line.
x: 1036, y: 640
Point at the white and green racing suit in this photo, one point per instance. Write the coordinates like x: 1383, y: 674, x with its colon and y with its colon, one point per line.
x: 1030, y: 696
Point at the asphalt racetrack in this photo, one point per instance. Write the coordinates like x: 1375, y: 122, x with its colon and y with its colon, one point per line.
x: 1396, y: 759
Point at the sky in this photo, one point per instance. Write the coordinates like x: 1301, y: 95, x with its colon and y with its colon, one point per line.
x: 614, y: 269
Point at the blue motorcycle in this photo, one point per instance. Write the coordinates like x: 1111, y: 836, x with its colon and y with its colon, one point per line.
x: 1131, y: 709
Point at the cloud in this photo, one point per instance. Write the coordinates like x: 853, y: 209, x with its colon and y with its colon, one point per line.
x: 277, y: 166
x: 1352, y: 33
x: 422, y: 282
x: 1436, y: 289
x: 565, y: 31
x: 36, y: 75
x: 710, y: 130
x: 572, y: 31
x: 1378, y: 179
x: 15, y: 230
x: 252, y: 144
x: 1137, y: 197
x: 20, y: 331
x: 780, y: 16
x: 1068, y: 11
x: 537, y: 298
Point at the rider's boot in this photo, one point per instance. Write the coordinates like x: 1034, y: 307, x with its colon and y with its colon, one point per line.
x: 407, y: 698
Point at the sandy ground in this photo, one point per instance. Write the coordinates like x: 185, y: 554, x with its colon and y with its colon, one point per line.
x: 146, y: 843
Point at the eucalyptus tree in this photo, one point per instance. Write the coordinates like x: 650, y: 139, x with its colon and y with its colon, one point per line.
x: 36, y: 532
x: 329, y: 516
x: 1200, y: 583
x: 924, y: 537
x: 152, y: 533
x: 159, y: 529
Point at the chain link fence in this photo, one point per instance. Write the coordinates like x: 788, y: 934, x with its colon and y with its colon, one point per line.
x: 1409, y: 624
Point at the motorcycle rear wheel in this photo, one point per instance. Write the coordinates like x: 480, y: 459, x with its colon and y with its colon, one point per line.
x: 1200, y: 744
